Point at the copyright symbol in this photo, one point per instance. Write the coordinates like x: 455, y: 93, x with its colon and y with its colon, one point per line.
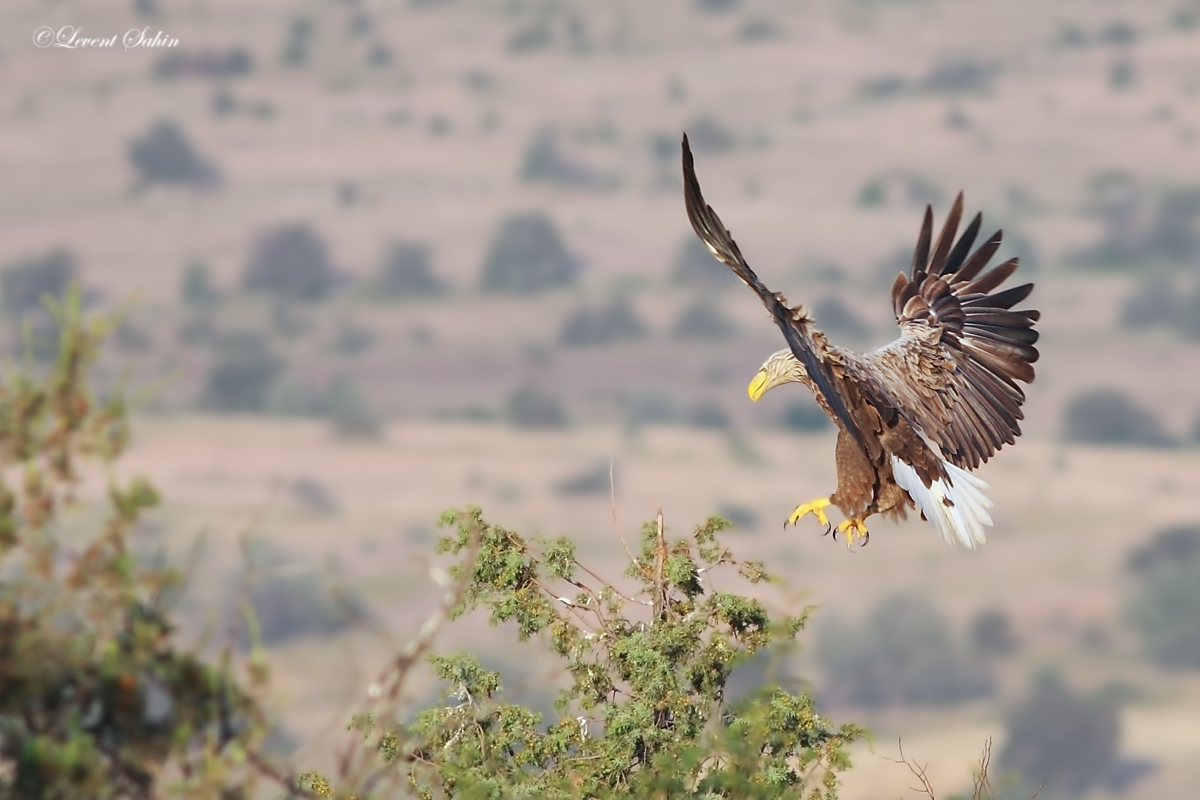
x: 43, y: 36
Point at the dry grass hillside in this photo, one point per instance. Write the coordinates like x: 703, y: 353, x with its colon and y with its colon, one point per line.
x: 821, y: 129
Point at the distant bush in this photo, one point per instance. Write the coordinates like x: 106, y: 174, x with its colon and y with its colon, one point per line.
x: 701, y: 320
x: 291, y: 604
x: 1171, y: 545
x: 408, y: 272
x: 716, y: 6
x: 290, y: 262
x: 696, y: 267
x: 349, y: 412
x: 904, y: 653
x: 707, y: 135
x: 211, y: 64
x: 198, y: 290
x: 805, y: 416
x: 24, y: 284
x: 709, y: 415
x: 1064, y: 739
x: 1149, y: 304
x: 991, y: 633
x: 759, y: 29
x: 242, y: 374
x: 544, y: 162
x: 595, y: 480
x: 1109, y: 416
x: 1165, y: 607
x: 1139, y: 228
x: 299, y: 40
x: 614, y: 322
x: 834, y: 316
x: 529, y: 407
x: 313, y: 496
x: 163, y: 155
x: 351, y: 338
x: 650, y: 408
x: 959, y: 74
x: 741, y: 517
x: 1122, y: 74
x: 527, y: 255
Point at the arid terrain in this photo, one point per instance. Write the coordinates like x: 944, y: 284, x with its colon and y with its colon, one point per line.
x: 828, y: 126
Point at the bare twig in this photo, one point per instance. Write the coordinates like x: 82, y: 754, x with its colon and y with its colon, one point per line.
x: 354, y: 771
x: 917, y: 770
x: 612, y: 494
x: 660, y: 559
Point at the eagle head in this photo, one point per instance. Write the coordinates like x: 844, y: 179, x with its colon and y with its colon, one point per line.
x: 782, y: 367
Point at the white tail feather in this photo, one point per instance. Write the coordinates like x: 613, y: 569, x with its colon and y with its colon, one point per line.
x: 963, y: 521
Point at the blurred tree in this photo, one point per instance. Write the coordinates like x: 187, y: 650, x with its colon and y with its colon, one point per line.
x: 529, y: 407
x: 1165, y: 611
x: 905, y: 653
x: 198, y: 290
x: 163, y: 155
x: 701, y: 320
x: 1171, y: 545
x: 1056, y: 736
x: 290, y: 262
x: 1109, y: 416
x: 349, y: 412
x: 299, y: 40
x: 527, y: 255
x: 805, y: 415
x: 408, y: 271
x: 23, y: 285
x: 696, y: 267
x: 614, y: 322
x: 991, y: 633
x: 242, y: 374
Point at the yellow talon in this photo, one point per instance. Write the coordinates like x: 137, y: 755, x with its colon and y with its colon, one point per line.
x: 816, y: 508
x: 855, y: 529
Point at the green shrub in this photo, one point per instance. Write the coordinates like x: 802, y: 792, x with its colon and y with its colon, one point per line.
x: 646, y: 712
x: 614, y: 322
x: 527, y: 255
x: 903, y: 653
x: 1109, y: 416
x: 98, y: 699
x: 290, y: 262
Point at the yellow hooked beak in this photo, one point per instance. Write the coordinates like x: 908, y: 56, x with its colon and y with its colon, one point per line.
x: 758, y: 385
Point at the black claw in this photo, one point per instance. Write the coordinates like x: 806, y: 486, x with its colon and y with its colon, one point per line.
x: 866, y: 538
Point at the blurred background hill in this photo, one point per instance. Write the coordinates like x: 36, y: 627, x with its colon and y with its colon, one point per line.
x: 383, y: 258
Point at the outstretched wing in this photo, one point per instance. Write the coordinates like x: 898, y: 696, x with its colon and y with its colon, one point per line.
x: 962, y: 349
x: 792, y: 321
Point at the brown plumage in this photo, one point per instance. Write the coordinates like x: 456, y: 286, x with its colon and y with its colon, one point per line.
x: 915, y: 415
